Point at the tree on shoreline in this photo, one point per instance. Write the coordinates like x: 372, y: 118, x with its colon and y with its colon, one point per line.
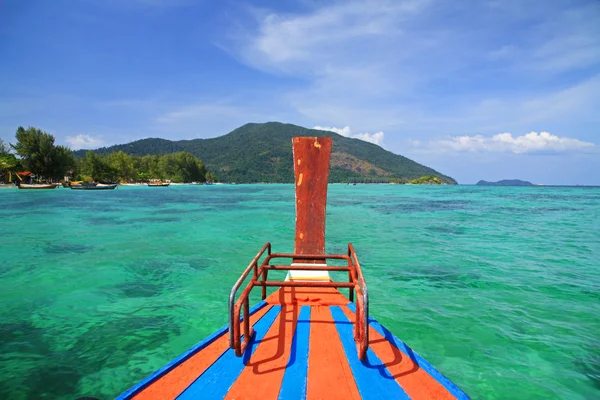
x: 210, y: 177
x: 9, y: 164
x: 94, y: 168
x: 427, y: 180
x: 40, y: 156
x: 119, y: 166
x: 4, y: 148
x: 37, y: 153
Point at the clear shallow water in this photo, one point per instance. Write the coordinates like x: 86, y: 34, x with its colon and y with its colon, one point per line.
x: 499, y: 288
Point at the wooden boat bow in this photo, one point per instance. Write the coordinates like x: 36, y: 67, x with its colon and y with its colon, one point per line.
x: 306, y: 339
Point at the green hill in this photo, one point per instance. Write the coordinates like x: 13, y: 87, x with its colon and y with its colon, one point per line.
x: 263, y: 153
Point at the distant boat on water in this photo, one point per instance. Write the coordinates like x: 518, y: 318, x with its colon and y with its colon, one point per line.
x: 94, y: 186
x: 38, y: 185
x: 158, y: 184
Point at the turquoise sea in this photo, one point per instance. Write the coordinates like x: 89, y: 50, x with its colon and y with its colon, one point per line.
x: 499, y: 288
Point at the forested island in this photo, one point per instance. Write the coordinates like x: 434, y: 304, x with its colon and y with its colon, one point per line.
x: 253, y: 153
x: 505, y: 182
x: 262, y: 152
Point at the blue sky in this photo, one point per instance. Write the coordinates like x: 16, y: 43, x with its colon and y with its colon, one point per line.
x: 476, y: 89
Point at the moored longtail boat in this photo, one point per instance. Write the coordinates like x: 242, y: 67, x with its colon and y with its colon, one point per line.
x: 38, y: 185
x: 158, y: 184
x: 94, y: 186
x: 305, y: 340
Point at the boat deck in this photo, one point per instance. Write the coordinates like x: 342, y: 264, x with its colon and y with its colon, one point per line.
x: 303, y: 347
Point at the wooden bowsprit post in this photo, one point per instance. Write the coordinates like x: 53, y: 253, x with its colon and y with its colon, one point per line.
x: 311, y: 172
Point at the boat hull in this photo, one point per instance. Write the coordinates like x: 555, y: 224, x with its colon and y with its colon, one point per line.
x: 36, y: 186
x: 97, y: 187
x: 303, y: 347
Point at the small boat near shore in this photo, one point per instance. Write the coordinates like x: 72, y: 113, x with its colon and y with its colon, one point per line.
x: 158, y: 184
x: 38, y: 185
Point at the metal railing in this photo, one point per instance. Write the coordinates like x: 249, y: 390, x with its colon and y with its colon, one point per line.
x: 356, y: 283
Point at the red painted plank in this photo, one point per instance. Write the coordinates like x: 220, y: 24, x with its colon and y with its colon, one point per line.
x: 262, y: 376
x: 311, y: 171
x: 329, y: 374
x: 416, y: 382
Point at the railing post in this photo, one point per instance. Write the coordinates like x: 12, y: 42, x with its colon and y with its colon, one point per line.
x: 232, y: 293
x: 350, y: 265
x: 351, y: 290
x: 246, y: 321
x: 357, y: 321
x: 264, y: 279
x: 365, y: 324
x: 236, y: 332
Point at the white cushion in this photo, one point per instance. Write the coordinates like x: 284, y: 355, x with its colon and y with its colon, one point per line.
x: 307, y: 276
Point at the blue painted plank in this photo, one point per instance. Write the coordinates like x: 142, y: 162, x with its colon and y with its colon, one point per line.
x: 177, y: 361
x: 296, y: 372
x: 216, y: 381
x: 373, y: 380
x: 416, y: 358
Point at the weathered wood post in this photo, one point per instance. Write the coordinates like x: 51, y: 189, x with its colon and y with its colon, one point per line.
x: 311, y: 172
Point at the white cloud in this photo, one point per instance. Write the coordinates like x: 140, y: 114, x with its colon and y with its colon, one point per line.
x: 284, y: 40
x: 350, y: 50
x: 376, y: 138
x: 84, y: 141
x: 404, y: 66
x: 532, y: 142
x: 345, y: 131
